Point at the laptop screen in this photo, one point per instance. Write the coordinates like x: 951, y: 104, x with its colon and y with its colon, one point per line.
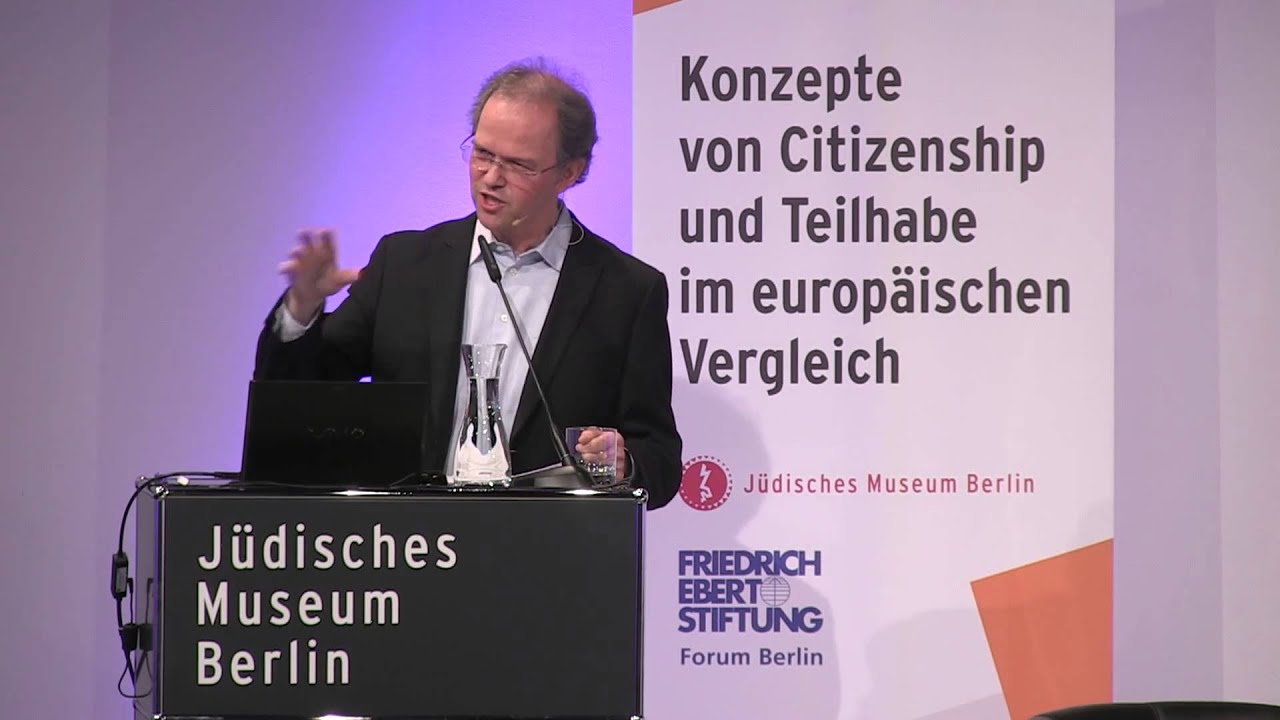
x: 356, y: 434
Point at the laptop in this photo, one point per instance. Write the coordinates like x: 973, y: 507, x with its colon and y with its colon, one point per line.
x: 321, y: 433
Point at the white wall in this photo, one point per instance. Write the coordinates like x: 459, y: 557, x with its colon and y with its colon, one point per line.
x: 1247, y: 62
x: 57, y: 518
x: 1168, y: 560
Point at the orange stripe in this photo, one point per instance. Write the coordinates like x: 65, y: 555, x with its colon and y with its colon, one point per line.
x: 640, y: 6
x: 1049, y: 628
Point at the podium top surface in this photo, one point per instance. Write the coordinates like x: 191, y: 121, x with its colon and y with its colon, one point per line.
x: 191, y: 485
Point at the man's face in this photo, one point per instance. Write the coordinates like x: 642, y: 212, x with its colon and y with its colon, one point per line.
x: 523, y: 136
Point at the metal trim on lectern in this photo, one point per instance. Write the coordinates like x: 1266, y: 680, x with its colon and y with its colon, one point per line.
x: 241, y: 587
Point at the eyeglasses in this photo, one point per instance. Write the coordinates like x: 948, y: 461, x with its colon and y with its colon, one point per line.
x: 481, y: 160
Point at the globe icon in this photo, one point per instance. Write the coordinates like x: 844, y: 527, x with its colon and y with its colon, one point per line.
x: 774, y: 591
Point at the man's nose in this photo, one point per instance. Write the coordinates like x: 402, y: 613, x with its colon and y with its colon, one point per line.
x: 493, y: 176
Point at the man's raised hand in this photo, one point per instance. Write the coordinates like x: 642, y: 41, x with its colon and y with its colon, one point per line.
x: 313, y: 273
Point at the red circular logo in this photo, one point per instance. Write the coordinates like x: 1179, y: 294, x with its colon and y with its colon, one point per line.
x: 705, y: 484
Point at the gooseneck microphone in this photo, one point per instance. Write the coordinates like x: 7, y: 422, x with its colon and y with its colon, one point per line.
x: 568, y: 474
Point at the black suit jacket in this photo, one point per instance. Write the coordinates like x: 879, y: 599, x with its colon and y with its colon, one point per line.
x: 604, y: 354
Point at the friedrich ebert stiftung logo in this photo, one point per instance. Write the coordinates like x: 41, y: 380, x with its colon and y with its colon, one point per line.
x: 730, y: 592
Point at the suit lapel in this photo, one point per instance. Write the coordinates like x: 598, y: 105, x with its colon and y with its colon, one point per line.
x: 449, y: 299
x: 577, y: 283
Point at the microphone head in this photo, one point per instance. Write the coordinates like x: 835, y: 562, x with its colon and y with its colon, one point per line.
x: 490, y: 262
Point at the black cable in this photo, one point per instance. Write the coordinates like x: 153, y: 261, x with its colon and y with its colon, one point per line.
x: 120, y: 685
x: 155, y: 480
x: 122, y: 584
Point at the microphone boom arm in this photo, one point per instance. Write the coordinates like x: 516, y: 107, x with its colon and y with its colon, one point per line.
x: 568, y: 474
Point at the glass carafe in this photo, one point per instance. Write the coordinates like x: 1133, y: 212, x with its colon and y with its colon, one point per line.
x: 481, y: 453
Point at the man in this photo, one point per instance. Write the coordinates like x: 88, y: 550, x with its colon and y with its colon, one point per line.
x: 595, y: 317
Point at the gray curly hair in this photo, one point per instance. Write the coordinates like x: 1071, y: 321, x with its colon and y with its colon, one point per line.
x: 537, y: 80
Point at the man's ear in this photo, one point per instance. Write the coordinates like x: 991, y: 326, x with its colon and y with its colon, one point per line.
x: 570, y: 174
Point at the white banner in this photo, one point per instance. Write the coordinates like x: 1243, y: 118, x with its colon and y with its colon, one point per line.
x: 888, y: 229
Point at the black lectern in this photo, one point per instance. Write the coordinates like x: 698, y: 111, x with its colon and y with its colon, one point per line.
x: 264, y: 602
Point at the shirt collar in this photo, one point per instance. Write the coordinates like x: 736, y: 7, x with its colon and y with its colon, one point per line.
x: 551, y: 250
